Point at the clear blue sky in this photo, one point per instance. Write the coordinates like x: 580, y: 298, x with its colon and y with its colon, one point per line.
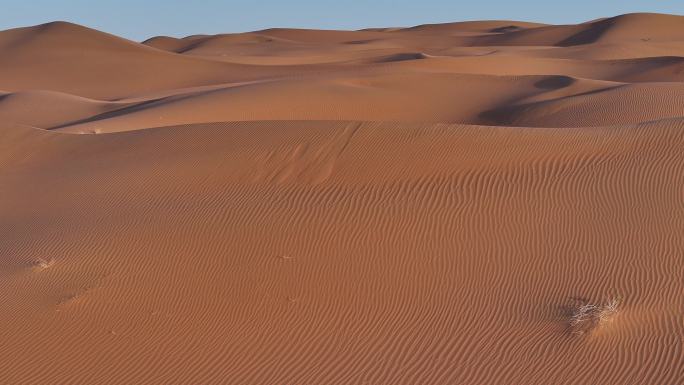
x: 141, y: 19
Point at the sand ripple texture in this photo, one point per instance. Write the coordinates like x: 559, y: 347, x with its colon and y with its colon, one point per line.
x: 323, y: 252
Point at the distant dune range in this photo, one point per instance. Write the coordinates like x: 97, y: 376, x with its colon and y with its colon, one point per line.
x: 420, y: 205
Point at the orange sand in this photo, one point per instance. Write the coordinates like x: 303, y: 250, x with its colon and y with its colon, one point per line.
x: 388, y: 206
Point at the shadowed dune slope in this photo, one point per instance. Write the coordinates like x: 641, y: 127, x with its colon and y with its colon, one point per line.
x: 340, y: 252
x: 624, y: 104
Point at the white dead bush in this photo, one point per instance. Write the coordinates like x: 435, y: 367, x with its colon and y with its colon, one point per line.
x: 586, y: 316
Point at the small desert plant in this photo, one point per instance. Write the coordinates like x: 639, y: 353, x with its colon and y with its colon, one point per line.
x: 587, y: 316
x: 42, y: 264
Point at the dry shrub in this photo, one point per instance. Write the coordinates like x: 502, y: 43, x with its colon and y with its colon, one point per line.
x: 587, y: 316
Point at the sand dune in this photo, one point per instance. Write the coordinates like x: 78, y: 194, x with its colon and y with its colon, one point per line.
x: 73, y: 59
x: 322, y: 252
x: 45, y: 109
x: 624, y: 28
x: 485, y: 26
x: 631, y: 103
x: 435, y: 97
x: 402, y: 205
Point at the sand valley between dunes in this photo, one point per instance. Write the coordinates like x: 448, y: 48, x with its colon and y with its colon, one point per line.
x: 441, y: 204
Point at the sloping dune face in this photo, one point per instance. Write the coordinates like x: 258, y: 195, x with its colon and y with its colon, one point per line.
x: 491, y: 202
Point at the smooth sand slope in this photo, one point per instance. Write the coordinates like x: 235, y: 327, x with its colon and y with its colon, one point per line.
x: 424, y: 205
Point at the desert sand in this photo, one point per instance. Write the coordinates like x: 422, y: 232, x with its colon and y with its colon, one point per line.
x: 422, y: 205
